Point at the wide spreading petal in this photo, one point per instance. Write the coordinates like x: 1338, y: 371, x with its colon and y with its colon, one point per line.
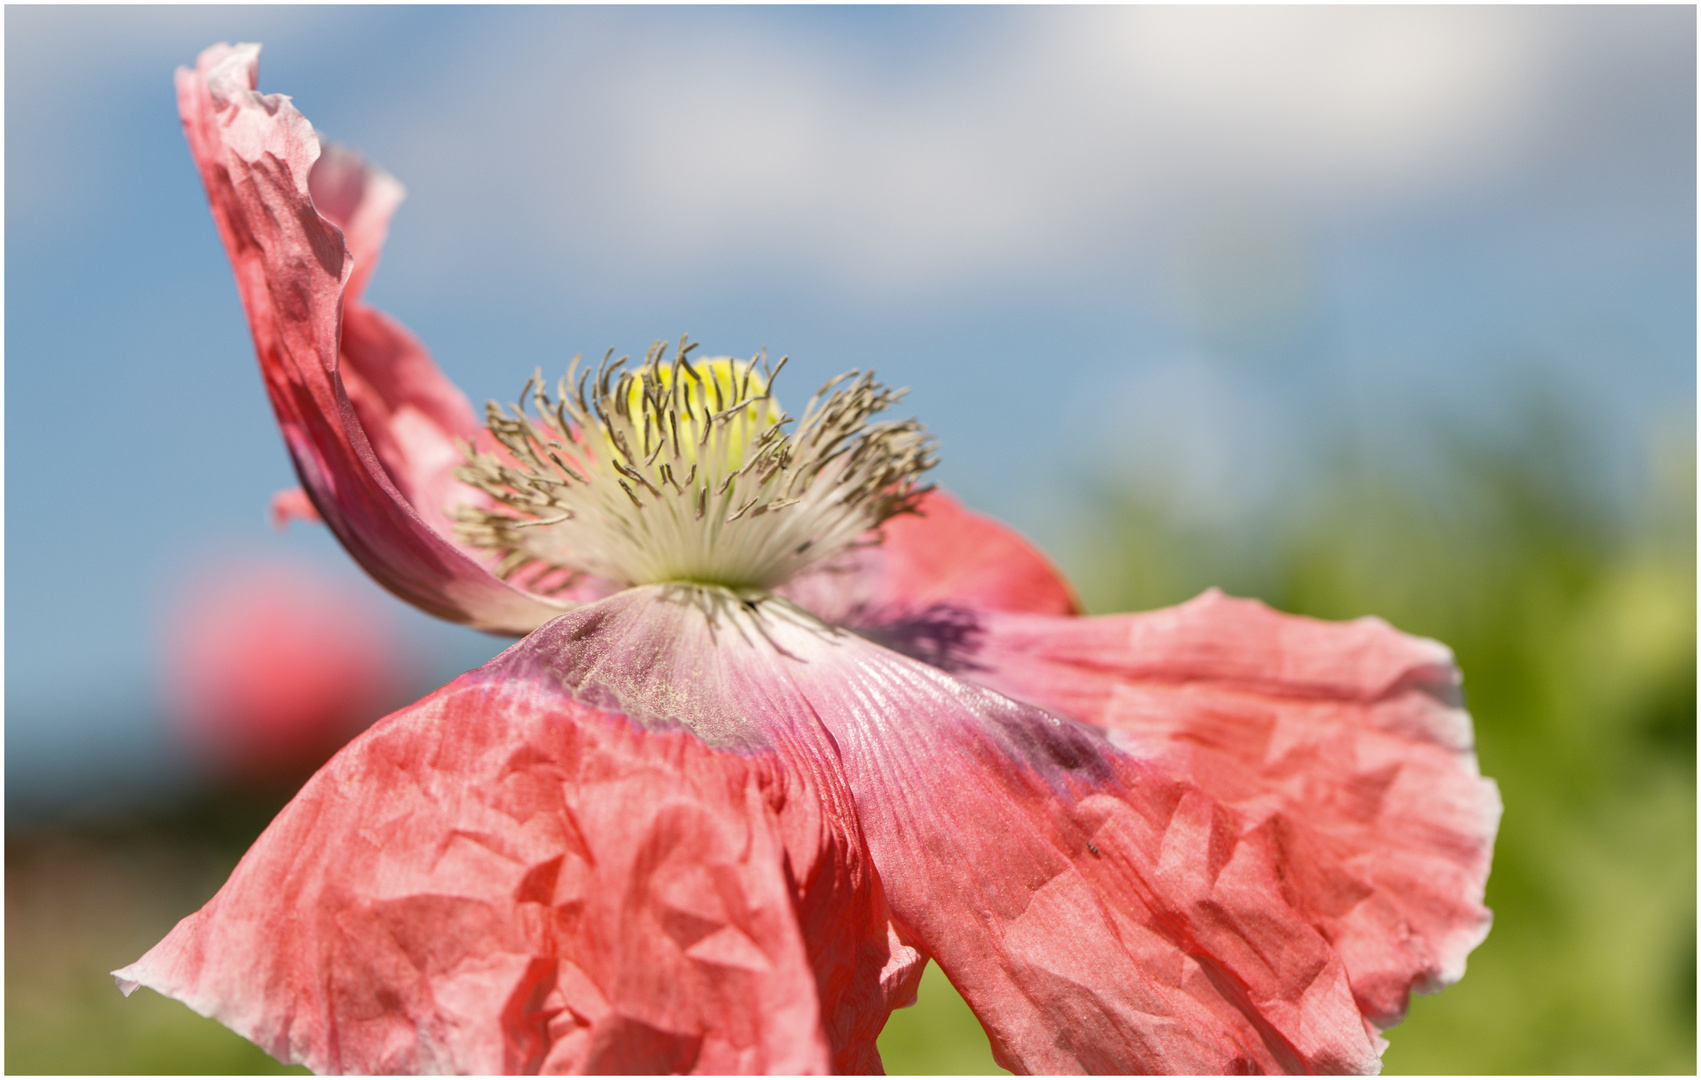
x: 256, y: 154
x: 1096, y: 913
x: 503, y: 878
x: 927, y: 569
x: 1345, y: 743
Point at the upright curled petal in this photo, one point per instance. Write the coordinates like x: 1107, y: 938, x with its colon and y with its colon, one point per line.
x: 413, y: 417
x: 1346, y: 742
x: 255, y: 154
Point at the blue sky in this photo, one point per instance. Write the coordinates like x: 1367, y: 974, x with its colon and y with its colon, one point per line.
x: 1184, y: 249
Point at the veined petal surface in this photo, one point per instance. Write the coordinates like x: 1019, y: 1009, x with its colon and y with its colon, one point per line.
x: 1097, y: 915
x: 256, y: 154
x: 1346, y: 744
x: 680, y: 658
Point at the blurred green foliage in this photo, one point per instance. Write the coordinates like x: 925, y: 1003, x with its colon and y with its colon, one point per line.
x: 79, y: 905
x: 1571, y: 609
x: 937, y: 1036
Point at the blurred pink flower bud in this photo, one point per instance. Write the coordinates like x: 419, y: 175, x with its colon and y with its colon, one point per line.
x: 271, y: 666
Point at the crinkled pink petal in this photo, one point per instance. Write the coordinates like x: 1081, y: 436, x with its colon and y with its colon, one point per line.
x: 944, y: 558
x: 1344, y: 742
x: 255, y: 154
x: 502, y: 878
x: 413, y: 417
x: 1096, y: 914
x: 656, y: 656
x: 501, y: 881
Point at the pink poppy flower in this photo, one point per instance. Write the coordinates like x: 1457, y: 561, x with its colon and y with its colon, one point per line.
x: 748, y: 771
x: 270, y: 668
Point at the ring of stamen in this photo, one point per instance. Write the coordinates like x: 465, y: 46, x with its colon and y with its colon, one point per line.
x: 682, y: 470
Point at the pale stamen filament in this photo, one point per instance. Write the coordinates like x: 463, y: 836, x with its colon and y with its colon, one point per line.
x: 683, y: 471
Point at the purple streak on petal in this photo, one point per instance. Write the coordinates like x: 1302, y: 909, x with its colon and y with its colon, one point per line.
x: 1097, y: 914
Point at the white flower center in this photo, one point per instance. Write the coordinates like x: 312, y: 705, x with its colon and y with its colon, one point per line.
x: 682, y: 471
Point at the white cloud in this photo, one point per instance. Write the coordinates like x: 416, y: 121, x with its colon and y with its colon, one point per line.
x: 1026, y: 148
x: 1326, y: 99
x: 1014, y: 142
